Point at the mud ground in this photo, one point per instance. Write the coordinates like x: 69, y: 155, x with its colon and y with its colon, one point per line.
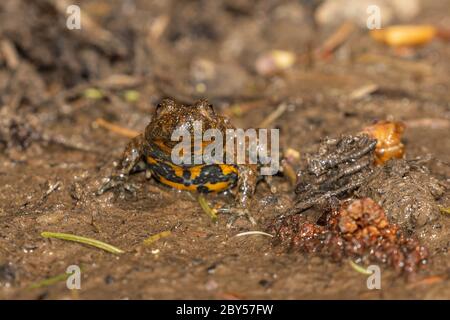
x: 167, y: 49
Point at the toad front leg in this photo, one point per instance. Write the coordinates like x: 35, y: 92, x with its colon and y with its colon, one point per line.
x: 129, y: 162
x: 248, y: 176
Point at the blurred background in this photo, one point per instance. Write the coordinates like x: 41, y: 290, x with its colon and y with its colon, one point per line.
x: 136, y: 52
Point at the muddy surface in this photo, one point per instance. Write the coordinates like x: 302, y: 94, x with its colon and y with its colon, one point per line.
x: 55, y: 83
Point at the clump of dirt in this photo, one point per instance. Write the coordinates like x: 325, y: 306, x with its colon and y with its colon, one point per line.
x: 409, y: 194
x: 7, y: 275
x: 15, y: 133
x: 359, y: 229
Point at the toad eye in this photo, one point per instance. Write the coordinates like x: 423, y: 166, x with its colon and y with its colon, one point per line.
x: 158, y: 109
x: 206, y: 108
x: 164, y: 106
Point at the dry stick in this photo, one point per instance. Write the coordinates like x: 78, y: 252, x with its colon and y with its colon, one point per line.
x: 51, y: 188
x: 363, y: 91
x: 10, y: 54
x: 427, y: 281
x: 278, y: 112
x: 240, y: 109
x: 157, y: 28
x: 118, y: 81
x: 116, y: 129
x: 336, y: 39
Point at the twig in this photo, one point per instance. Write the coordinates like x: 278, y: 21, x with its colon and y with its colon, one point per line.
x: 363, y: 91
x: 116, y: 129
x: 158, y: 26
x: 9, y: 53
x: 239, y: 109
x: 336, y: 39
x: 51, y: 188
x: 278, y: 112
x: 426, y: 281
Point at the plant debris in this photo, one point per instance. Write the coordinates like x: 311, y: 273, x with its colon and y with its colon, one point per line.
x: 405, y: 35
x: 128, y: 133
x: 274, y: 61
x: 359, y: 268
x: 156, y: 237
x: 337, y: 168
x: 358, y: 229
x: 84, y: 240
x: 212, y: 213
x: 50, y: 281
x: 248, y: 233
x: 388, y: 135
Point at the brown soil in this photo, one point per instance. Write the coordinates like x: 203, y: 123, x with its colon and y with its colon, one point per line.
x: 54, y: 157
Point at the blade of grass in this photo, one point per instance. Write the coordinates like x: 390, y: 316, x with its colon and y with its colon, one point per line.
x: 50, y: 281
x: 156, y: 237
x: 248, y: 233
x: 212, y: 213
x: 444, y: 210
x: 84, y: 240
x: 359, y: 268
